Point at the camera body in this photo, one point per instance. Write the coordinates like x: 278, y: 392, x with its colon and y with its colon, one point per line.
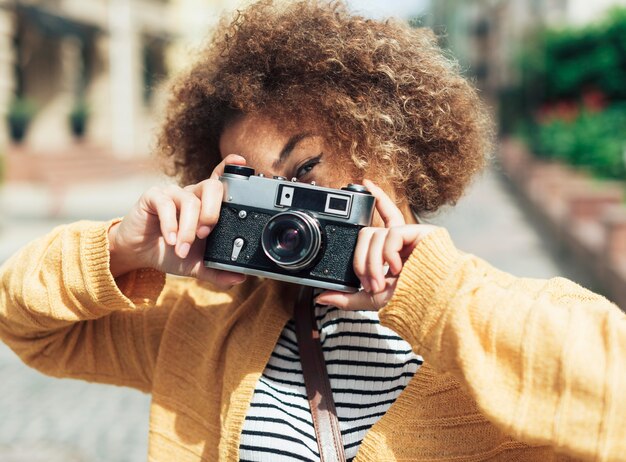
x: 287, y: 230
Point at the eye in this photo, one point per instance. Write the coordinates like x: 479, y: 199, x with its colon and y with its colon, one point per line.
x: 305, y: 168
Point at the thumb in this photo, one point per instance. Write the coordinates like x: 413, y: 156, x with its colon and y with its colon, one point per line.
x: 360, y: 300
x: 222, y: 279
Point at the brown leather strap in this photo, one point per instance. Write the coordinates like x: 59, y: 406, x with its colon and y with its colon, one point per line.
x: 316, y: 380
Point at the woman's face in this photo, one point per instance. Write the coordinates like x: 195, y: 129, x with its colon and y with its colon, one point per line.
x: 300, y: 154
x: 273, y: 151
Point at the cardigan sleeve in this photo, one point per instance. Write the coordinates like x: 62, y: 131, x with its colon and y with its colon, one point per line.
x: 545, y: 360
x: 63, y: 313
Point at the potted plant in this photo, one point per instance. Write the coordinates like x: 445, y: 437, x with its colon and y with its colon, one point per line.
x: 21, y: 112
x: 79, y: 115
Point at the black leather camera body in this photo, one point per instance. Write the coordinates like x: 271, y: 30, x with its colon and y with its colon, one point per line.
x: 288, y: 230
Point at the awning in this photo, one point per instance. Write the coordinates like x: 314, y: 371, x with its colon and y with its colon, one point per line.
x: 53, y: 24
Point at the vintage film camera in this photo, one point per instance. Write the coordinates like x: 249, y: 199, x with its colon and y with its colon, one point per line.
x: 286, y: 230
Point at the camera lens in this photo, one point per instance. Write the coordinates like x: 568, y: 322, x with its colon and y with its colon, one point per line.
x: 292, y: 239
x: 288, y: 240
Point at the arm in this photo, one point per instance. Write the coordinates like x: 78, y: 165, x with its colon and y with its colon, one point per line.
x: 63, y: 313
x: 544, y: 360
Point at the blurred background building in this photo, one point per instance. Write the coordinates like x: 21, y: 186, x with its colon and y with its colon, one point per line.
x: 88, y: 70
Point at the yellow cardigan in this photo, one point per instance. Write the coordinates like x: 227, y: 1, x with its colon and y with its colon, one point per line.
x: 516, y: 369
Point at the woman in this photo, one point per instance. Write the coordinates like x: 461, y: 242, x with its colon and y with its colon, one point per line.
x: 515, y: 369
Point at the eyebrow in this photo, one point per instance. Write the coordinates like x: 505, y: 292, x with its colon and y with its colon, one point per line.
x: 289, y: 147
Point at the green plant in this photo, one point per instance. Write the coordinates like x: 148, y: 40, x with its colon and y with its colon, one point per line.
x: 595, y: 140
x: 78, y: 118
x: 578, y: 58
x: 21, y: 112
x: 563, y: 64
x: 572, y: 94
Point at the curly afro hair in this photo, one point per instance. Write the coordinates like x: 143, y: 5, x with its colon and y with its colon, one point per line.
x: 383, y: 93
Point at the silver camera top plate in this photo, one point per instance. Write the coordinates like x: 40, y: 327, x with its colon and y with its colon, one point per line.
x: 277, y: 194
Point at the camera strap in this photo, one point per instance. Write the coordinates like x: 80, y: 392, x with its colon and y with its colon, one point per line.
x: 318, y: 391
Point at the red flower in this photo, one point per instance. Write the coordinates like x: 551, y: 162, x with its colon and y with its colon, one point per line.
x: 567, y: 110
x: 594, y: 100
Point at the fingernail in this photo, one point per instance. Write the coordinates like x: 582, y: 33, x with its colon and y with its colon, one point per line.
x: 171, y: 238
x: 183, y: 250
x: 237, y: 279
x: 203, y: 231
x: 366, y: 285
x: 374, y: 285
x: 320, y: 301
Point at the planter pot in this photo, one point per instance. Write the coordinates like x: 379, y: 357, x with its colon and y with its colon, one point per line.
x: 19, y: 115
x: 17, y: 131
x: 78, y: 127
x: 78, y: 119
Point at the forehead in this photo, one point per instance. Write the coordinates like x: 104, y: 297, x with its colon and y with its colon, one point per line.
x: 260, y: 139
x: 249, y: 126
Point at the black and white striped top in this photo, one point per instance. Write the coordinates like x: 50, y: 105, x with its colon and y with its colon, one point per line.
x: 368, y: 366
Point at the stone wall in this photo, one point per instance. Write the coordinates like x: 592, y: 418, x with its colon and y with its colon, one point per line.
x: 586, y: 217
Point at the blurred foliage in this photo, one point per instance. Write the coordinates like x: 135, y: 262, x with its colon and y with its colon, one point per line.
x: 565, y: 62
x: 21, y: 112
x: 595, y: 140
x: 571, y: 102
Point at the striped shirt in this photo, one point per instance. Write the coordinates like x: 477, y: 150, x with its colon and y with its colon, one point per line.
x: 368, y: 366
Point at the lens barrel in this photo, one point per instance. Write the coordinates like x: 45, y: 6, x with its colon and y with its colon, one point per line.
x: 292, y: 239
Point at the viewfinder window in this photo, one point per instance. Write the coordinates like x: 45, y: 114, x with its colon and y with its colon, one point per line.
x: 338, y: 205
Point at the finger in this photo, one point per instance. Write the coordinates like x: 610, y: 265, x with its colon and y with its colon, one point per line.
x: 361, y: 300
x: 210, y: 192
x: 402, y: 242
x: 391, y: 250
x: 219, y: 278
x: 161, y: 205
x: 229, y: 159
x: 387, y: 209
x: 374, y: 263
x: 188, y: 206
x: 360, y: 256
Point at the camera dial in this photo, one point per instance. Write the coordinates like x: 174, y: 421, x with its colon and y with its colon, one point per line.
x: 239, y: 170
x: 292, y: 239
x: 356, y: 188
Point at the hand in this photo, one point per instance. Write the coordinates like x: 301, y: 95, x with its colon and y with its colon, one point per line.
x: 376, y: 248
x: 167, y: 228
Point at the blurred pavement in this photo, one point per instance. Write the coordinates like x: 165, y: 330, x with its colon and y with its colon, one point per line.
x: 29, y: 210
x: 50, y: 420
x: 489, y: 223
x: 45, y: 419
